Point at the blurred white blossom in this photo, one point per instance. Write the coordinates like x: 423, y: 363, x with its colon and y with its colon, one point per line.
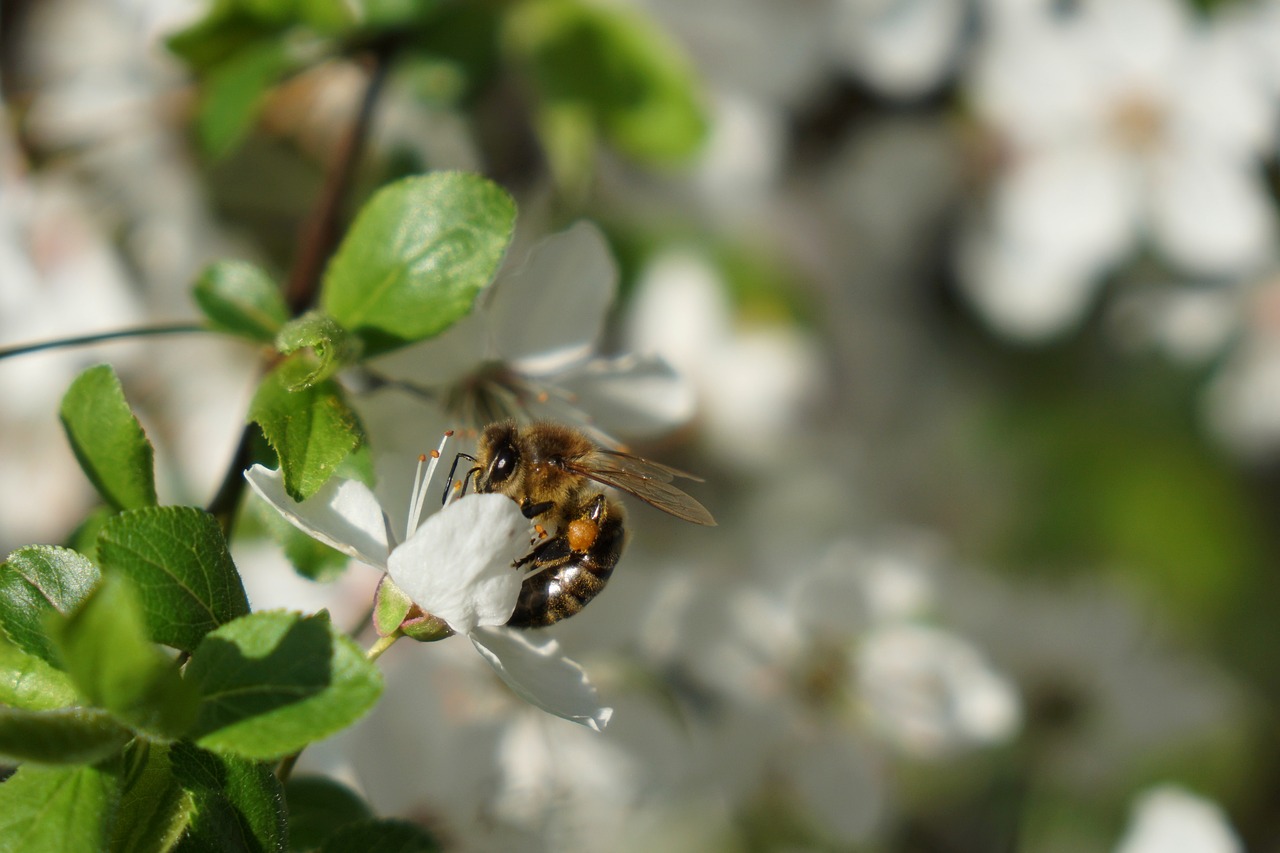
x: 1124, y: 120
x: 754, y: 381
x: 528, y: 351
x: 1169, y: 819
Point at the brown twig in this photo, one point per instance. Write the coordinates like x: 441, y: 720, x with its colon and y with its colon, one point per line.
x: 317, y: 241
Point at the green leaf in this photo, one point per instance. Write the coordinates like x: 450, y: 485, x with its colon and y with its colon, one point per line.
x: 388, y: 14
x: 85, y: 537
x: 115, y: 666
x: 613, y: 65
x: 238, y: 804
x: 36, y: 581
x: 270, y: 683
x: 319, y: 806
x: 311, y: 430
x: 26, y: 681
x: 241, y: 299
x: 226, y: 29
x: 60, y: 736
x: 234, y: 91
x: 416, y: 257
x: 108, y: 440
x: 385, y: 836
x: 154, y: 809
x: 178, y: 561
x: 331, y: 345
x: 63, y: 809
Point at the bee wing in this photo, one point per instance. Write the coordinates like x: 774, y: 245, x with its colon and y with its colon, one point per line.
x: 646, y: 468
x: 649, y: 481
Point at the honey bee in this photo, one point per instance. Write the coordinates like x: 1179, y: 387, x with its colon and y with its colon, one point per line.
x: 552, y: 471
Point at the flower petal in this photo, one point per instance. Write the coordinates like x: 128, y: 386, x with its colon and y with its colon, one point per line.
x: 343, y: 514
x: 541, y: 676
x: 458, y: 564
x: 551, y: 311
x: 635, y: 396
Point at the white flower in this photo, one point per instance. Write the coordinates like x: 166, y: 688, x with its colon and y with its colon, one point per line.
x: 1169, y: 818
x: 457, y: 566
x: 753, y: 382
x: 931, y: 692
x: 902, y: 48
x: 527, y: 351
x: 1126, y: 120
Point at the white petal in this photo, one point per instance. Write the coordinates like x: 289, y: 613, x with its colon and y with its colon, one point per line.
x: 551, y: 311
x: 541, y: 676
x: 902, y: 47
x: 1211, y: 214
x: 343, y: 514
x: 1077, y: 203
x: 635, y: 396
x: 458, y: 564
x: 1024, y: 294
x: 452, y: 354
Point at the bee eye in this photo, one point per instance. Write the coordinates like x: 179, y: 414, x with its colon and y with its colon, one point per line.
x: 503, y: 465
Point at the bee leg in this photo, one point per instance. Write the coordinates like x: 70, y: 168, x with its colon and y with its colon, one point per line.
x: 531, y: 509
x: 596, y: 512
x: 550, y: 554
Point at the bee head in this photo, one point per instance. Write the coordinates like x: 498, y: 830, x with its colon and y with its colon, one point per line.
x: 499, y: 454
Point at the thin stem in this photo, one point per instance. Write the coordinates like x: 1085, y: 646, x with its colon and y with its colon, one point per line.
x: 317, y: 242
x: 100, y: 337
x: 320, y: 231
x: 285, y: 768
x: 382, y: 644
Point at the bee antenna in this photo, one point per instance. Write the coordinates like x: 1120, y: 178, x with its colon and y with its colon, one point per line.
x: 453, y: 470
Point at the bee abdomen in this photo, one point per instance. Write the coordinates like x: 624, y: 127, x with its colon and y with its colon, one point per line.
x: 560, y: 592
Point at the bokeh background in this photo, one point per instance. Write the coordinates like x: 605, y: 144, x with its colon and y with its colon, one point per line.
x: 975, y: 306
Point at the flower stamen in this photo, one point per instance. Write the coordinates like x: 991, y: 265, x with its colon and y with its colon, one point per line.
x: 421, y: 482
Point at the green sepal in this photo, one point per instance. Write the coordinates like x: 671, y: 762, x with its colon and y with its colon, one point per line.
x: 60, y: 735
x: 107, y: 439
x: 36, y: 581
x: 240, y: 298
x: 312, y: 430
x: 390, y: 605
x: 270, y: 683
x: 115, y: 666
x: 179, y: 563
x: 416, y: 257
x: 394, y: 611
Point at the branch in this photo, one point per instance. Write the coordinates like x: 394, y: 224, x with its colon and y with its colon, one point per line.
x: 83, y: 340
x: 318, y: 239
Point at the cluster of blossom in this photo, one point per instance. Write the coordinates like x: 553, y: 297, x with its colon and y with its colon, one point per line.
x: 791, y: 662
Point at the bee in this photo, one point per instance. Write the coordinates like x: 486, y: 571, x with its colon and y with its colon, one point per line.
x: 554, y: 472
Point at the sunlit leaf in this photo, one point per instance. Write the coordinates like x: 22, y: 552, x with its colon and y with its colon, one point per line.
x: 108, y: 440
x: 178, y: 561
x: 416, y: 257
